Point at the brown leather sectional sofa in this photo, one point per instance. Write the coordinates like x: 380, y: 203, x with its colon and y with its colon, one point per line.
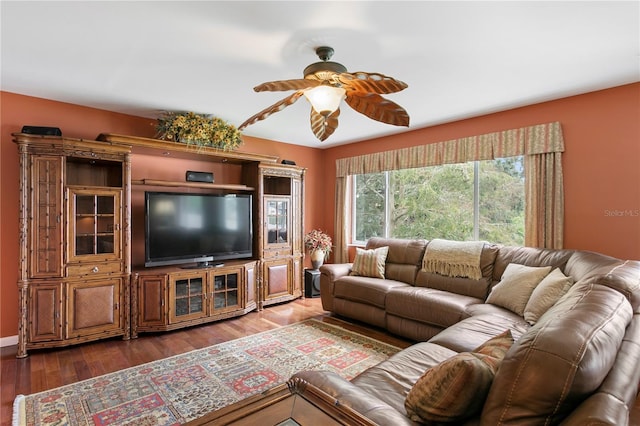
x: 579, y: 364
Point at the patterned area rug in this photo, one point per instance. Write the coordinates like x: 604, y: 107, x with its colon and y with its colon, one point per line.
x: 175, y: 390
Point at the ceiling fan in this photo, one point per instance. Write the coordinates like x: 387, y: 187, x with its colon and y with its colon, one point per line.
x: 326, y: 84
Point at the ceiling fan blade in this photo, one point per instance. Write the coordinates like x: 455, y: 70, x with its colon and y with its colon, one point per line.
x: 378, y: 108
x: 324, y: 126
x: 278, y: 106
x: 365, y: 82
x: 282, y: 85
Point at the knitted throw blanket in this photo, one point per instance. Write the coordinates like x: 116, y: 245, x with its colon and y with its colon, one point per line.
x: 454, y: 258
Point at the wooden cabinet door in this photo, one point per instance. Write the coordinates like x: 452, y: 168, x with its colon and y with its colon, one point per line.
x: 277, y: 222
x: 276, y: 278
x: 187, y: 296
x: 226, y: 291
x: 94, y: 224
x: 251, y: 300
x: 45, y: 217
x: 152, y: 301
x: 94, y: 307
x: 45, y: 312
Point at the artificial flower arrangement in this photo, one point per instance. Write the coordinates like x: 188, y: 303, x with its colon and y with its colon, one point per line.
x: 317, y: 240
x: 198, y: 129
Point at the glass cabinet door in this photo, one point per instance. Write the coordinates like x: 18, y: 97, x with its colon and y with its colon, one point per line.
x: 94, y: 220
x: 225, y: 291
x: 187, y: 298
x: 277, y: 221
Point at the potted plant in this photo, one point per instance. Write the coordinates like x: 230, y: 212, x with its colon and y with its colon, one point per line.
x: 198, y: 129
x: 319, y: 246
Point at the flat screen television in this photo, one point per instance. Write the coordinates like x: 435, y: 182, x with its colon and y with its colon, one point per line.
x: 198, y: 229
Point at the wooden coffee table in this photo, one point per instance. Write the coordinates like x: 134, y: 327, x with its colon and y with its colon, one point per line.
x: 290, y: 404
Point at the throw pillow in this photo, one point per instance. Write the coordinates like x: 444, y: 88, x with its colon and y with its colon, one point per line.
x: 546, y: 294
x: 456, y: 389
x: 370, y: 263
x: 516, y: 285
x: 497, y: 346
x: 449, y: 392
x: 493, y: 351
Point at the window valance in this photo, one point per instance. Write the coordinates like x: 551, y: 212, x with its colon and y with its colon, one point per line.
x: 531, y: 140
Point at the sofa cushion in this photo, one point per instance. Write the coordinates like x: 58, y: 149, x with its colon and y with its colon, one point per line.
x: 619, y: 390
x: 348, y: 394
x: 456, y: 388
x: 615, y: 273
x: 364, y: 312
x: 546, y: 294
x: 370, y: 263
x: 530, y: 256
x: 416, y: 331
x: 445, y: 308
x: 463, y: 286
x: 516, y: 285
x: 470, y: 333
x: 586, y: 264
x: 371, y: 291
x: 392, y: 379
x: 404, y: 257
x: 562, y: 359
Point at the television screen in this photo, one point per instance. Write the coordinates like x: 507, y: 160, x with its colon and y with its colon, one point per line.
x: 197, y: 228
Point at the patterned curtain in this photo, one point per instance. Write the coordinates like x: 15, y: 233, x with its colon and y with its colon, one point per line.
x: 544, y: 201
x: 341, y: 234
x: 541, y: 145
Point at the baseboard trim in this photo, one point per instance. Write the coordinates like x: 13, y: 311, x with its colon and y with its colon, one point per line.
x: 8, y: 341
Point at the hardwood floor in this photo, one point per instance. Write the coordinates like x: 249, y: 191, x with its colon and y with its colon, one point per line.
x: 47, y: 369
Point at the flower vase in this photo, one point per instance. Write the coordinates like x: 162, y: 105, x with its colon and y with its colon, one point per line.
x: 317, y: 258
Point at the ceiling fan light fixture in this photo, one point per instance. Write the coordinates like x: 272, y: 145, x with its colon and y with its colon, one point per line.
x: 323, y: 70
x: 326, y: 69
x: 325, y: 99
x: 325, y: 85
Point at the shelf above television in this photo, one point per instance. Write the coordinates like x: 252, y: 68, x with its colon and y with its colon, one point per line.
x: 170, y: 183
x: 181, y: 150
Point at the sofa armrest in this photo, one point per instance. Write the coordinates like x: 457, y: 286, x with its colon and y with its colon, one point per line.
x: 599, y: 409
x: 349, y: 395
x: 329, y: 273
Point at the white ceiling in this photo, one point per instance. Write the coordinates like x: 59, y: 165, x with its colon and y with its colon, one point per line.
x: 460, y: 59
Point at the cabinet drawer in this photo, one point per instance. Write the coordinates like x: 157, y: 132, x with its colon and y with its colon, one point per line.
x: 276, y: 254
x: 94, y: 269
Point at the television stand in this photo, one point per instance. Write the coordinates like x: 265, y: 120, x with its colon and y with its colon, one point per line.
x: 203, y: 265
x: 169, y: 298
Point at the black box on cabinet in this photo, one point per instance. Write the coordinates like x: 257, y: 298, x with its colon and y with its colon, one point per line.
x: 41, y: 130
x: 311, y: 283
x: 206, y: 177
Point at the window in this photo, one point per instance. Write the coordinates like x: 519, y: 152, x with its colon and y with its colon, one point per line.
x: 478, y: 200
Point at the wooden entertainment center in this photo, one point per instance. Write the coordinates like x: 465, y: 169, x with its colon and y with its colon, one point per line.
x: 79, y: 224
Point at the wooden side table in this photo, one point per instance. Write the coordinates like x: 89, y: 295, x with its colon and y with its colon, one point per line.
x: 295, y: 403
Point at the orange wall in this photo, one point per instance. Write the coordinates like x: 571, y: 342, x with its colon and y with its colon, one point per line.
x: 601, y: 166
x: 81, y: 122
x: 601, y: 163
